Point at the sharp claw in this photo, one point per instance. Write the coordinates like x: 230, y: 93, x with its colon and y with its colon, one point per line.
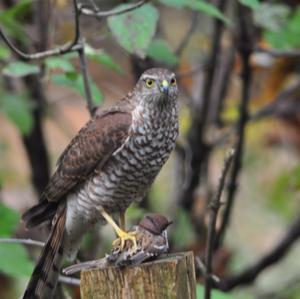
x: 123, y: 237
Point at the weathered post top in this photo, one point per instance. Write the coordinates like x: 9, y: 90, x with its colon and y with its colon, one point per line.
x: 170, y: 277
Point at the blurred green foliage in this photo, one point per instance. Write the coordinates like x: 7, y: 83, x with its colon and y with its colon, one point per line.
x: 20, y: 69
x: 253, y: 4
x: 14, y: 260
x: 75, y: 81
x: 17, y: 110
x: 134, y: 30
x: 284, y: 192
x: 215, y: 293
x: 196, y: 5
x: 287, y: 37
x: 160, y: 51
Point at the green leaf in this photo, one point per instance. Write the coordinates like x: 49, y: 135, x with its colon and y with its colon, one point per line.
x: 9, y: 19
x: 208, y: 9
x: 288, y: 36
x: 9, y: 220
x: 253, y: 4
x: 19, y: 9
x: 160, y: 51
x: 102, y: 58
x: 59, y: 63
x: 215, y: 294
x: 14, y: 260
x: 107, y: 61
x: 198, y: 5
x: 16, y: 108
x: 4, y: 53
x: 20, y: 69
x: 271, y: 16
x: 134, y: 30
x: 75, y: 82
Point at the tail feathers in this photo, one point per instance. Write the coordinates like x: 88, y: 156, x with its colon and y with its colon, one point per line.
x: 44, y: 278
x: 40, y: 213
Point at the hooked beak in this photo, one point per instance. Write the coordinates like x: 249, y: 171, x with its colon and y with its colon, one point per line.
x: 164, y: 87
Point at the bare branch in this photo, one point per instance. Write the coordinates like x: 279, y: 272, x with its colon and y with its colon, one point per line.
x: 87, y: 88
x: 93, y: 12
x: 214, y: 206
x: 278, y: 53
x: 188, y: 35
x: 245, y: 49
x: 69, y: 280
x: 196, y: 135
x: 22, y: 241
x: 248, y: 275
x: 68, y: 47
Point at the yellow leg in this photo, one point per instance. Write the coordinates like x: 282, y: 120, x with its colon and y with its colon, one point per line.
x: 122, y: 234
x: 122, y: 221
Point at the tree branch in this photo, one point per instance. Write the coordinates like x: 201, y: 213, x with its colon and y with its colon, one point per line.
x: 69, y: 280
x: 96, y: 12
x: 278, y: 53
x: 245, y: 49
x: 22, y: 241
x: 214, y: 206
x: 68, y: 47
x: 248, y: 275
x: 188, y: 35
x: 85, y: 75
x: 196, y: 140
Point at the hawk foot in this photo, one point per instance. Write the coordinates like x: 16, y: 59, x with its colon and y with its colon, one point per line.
x: 123, y: 237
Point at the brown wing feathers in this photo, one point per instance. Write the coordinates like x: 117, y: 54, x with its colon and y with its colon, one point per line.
x: 90, y: 148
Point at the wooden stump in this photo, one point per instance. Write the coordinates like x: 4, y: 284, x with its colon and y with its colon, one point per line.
x: 172, y: 276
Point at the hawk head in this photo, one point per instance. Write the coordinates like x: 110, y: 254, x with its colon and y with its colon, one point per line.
x: 157, y: 86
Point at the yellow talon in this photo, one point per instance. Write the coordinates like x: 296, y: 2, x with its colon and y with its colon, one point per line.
x: 123, y: 237
x: 122, y: 234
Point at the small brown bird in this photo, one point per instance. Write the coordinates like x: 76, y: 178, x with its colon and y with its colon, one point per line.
x: 109, y: 164
x: 152, y: 241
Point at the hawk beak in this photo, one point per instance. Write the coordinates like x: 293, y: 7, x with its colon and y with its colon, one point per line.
x: 164, y: 87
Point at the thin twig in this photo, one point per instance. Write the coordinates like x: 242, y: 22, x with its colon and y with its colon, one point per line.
x: 199, y: 265
x: 213, y: 213
x: 248, y: 275
x: 221, y: 85
x: 69, y: 280
x: 93, y: 12
x: 68, y: 47
x: 22, y: 241
x: 188, y: 35
x: 85, y: 75
x: 278, y: 53
x: 245, y: 50
x: 196, y: 135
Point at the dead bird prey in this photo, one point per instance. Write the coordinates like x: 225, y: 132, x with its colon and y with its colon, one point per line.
x: 152, y: 241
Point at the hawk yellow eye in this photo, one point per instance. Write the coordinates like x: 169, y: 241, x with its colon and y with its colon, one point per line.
x: 149, y: 83
x: 173, y: 81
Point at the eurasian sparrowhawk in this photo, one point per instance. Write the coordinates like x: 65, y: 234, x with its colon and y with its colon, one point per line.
x: 109, y: 164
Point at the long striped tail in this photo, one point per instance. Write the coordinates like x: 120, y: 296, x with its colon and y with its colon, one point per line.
x: 44, y: 278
